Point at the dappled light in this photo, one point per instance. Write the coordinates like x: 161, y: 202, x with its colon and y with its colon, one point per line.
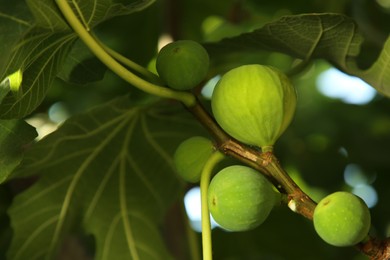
x: 349, y: 89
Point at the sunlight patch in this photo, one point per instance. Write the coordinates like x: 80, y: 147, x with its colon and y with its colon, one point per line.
x: 349, y: 89
x: 192, y: 203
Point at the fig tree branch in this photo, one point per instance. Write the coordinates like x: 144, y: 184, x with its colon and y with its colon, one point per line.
x: 267, y: 163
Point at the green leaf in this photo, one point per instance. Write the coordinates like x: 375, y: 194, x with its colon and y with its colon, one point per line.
x: 379, y: 73
x: 39, y: 56
x: 93, y: 12
x: 14, y: 22
x: 5, y: 88
x: 15, y: 136
x: 35, y: 51
x: 333, y: 37
x: 118, y: 8
x: 109, y: 169
x: 41, y: 53
x: 81, y: 66
x: 47, y: 15
x: 121, y: 8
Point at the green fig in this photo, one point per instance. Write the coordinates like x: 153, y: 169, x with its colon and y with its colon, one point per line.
x: 183, y: 64
x: 240, y: 198
x: 254, y: 104
x: 342, y: 219
x: 190, y: 157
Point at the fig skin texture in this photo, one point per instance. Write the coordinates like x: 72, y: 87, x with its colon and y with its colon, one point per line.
x: 254, y: 104
x: 240, y: 198
x: 342, y: 219
x: 183, y: 64
x: 190, y: 157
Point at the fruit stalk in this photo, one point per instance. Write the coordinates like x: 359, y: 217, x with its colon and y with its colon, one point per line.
x: 131, y: 64
x: 204, y: 186
x: 298, y: 201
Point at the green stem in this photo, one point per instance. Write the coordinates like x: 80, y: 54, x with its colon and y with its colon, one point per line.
x: 186, y: 98
x: 131, y: 64
x: 204, y: 186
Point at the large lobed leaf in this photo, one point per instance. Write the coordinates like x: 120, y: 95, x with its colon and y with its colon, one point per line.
x: 38, y: 50
x: 111, y: 170
x: 47, y: 15
x: 90, y: 12
x: 97, y: 11
x: 44, y: 48
x: 14, y: 20
x: 333, y: 37
x: 15, y: 136
x: 39, y: 55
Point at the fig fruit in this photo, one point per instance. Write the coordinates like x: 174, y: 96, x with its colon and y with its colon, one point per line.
x: 240, y: 198
x: 182, y: 64
x: 342, y: 219
x: 254, y: 104
x: 190, y: 157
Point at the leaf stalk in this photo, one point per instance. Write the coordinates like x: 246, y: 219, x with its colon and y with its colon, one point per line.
x: 186, y: 98
x: 207, y: 171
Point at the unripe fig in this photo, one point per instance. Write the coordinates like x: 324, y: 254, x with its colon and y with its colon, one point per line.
x: 342, y: 219
x: 182, y: 64
x: 254, y: 104
x: 240, y: 198
x: 190, y: 157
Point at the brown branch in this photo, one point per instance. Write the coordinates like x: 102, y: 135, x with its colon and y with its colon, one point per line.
x: 376, y: 249
x: 266, y: 163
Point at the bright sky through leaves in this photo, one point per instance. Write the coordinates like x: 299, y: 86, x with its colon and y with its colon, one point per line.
x: 338, y: 85
x: 193, y: 209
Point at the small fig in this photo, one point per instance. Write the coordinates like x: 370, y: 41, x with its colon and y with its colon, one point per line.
x: 182, y: 64
x: 254, y: 104
x: 240, y: 198
x: 342, y: 219
x: 190, y: 157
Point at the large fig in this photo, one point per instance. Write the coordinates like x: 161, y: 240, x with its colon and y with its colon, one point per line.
x: 183, y: 64
x: 254, y: 104
x: 342, y: 219
x: 240, y: 198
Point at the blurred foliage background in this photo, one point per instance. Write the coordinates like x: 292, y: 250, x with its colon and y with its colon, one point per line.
x: 327, y: 137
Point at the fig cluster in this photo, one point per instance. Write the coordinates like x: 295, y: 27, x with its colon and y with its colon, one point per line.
x: 240, y: 198
x: 254, y: 104
x: 342, y: 219
x: 183, y: 64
